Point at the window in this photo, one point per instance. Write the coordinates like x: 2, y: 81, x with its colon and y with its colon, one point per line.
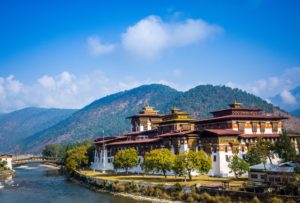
x: 254, y: 176
x: 215, y: 158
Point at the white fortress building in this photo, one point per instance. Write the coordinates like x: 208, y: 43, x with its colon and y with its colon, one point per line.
x: 230, y: 131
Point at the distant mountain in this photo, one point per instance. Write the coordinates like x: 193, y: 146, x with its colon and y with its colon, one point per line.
x: 106, y: 116
x: 20, y: 124
x: 296, y: 113
x: 279, y: 101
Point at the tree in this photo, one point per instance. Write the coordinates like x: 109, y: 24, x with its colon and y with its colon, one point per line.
x: 77, y: 157
x: 285, y: 148
x: 260, y: 153
x: 192, y: 161
x: 253, y: 156
x: 160, y: 160
x: 3, y: 164
x: 238, y: 166
x: 178, y: 167
x: 125, y: 159
x: 52, y: 151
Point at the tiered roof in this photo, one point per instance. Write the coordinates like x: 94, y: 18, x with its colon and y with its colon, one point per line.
x: 147, y: 111
x: 176, y: 116
x: 235, y: 112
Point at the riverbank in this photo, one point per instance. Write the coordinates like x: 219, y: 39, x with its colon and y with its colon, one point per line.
x: 137, y: 197
x: 176, y: 192
x: 6, y: 173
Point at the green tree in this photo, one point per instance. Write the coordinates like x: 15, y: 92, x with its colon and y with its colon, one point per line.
x: 52, y: 151
x: 178, y: 167
x: 192, y: 161
x: 285, y: 148
x: 253, y: 156
x: 77, y: 157
x: 125, y: 159
x: 160, y: 160
x: 3, y: 164
x: 238, y: 166
x: 260, y: 153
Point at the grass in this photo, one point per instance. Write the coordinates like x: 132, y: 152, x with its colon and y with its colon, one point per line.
x: 157, y: 179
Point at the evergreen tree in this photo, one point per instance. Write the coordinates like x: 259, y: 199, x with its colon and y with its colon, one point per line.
x: 285, y: 148
x: 238, y: 166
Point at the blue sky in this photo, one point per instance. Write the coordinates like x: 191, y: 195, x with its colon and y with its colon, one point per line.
x: 66, y: 54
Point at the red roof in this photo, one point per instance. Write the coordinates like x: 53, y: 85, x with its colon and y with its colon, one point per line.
x: 223, y: 131
x: 231, y: 117
x: 175, y: 133
x: 135, y: 141
x: 237, y: 109
x: 146, y: 115
x: 99, y: 141
x: 140, y: 132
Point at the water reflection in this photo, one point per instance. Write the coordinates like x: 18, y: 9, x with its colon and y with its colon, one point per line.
x: 39, y: 183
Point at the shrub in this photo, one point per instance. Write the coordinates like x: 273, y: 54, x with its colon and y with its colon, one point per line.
x: 255, y: 200
x: 178, y: 195
x: 118, y: 187
x: 177, y: 187
x: 275, y: 200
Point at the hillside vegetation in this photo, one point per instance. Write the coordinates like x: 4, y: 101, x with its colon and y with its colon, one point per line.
x: 20, y: 124
x: 106, y: 116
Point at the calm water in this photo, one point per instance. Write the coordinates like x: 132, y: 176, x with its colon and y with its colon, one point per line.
x: 35, y: 183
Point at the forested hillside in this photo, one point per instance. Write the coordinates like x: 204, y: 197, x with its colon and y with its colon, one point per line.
x: 20, y: 124
x: 107, y: 116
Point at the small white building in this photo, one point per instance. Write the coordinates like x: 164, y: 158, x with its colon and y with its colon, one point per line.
x: 273, y: 173
x: 8, y: 159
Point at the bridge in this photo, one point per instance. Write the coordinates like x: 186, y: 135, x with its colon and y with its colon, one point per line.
x: 29, y: 158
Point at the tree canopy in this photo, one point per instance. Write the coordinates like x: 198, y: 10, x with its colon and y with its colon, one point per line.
x: 238, y: 166
x: 192, y: 160
x: 77, y: 157
x: 285, y: 148
x: 125, y: 159
x: 160, y: 160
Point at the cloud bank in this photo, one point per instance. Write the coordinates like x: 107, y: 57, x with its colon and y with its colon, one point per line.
x: 150, y: 36
x: 276, y: 85
x: 64, y: 90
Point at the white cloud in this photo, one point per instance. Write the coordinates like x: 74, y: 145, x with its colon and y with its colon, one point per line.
x: 273, y: 85
x: 97, y: 48
x: 64, y: 90
x: 287, y: 97
x: 150, y: 36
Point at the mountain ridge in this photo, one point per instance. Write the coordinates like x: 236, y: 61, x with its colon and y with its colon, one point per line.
x: 17, y: 125
x: 106, y: 116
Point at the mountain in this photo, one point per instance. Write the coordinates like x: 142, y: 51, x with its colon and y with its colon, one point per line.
x: 203, y: 99
x: 106, y: 116
x: 278, y: 100
x: 20, y: 124
x: 296, y: 113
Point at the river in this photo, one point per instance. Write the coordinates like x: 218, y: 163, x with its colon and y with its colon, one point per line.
x: 37, y: 183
